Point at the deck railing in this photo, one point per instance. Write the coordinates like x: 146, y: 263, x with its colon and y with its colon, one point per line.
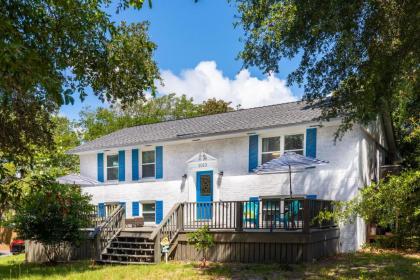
x: 268, y: 214
x: 113, y: 224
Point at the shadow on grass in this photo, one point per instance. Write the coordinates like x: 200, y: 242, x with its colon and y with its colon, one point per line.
x: 15, y: 268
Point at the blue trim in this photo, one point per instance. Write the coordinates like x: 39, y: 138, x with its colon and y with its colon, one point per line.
x: 311, y: 196
x: 101, y: 209
x: 311, y: 142
x: 121, y: 166
x: 253, y: 153
x: 135, y: 164
x: 204, y: 206
x: 159, y: 211
x: 135, y: 209
x: 159, y: 162
x: 100, y: 159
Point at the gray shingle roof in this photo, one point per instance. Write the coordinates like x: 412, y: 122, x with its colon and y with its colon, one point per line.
x: 237, y: 121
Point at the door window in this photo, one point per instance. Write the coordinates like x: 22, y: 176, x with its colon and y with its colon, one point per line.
x: 205, y: 185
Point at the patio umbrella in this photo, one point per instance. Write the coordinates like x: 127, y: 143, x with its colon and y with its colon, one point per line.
x: 289, y: 162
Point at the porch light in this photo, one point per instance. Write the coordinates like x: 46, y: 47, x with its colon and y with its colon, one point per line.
x: 220, y: 173
x: 184, y: 176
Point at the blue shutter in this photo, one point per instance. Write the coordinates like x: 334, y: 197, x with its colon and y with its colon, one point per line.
x: 121, y: 166
x: 311, y: 142
x: 159, y: 211
x: 101, y: 209
x: 253, y: 153
x: 135, y: 209
x: 159, y: 162
x: 100, y: 158
x: 135, y: 164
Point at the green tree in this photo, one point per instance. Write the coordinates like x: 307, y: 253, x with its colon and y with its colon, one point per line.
x: 53, y: 215
x: 51, y: 52
x: 393, y: 203
x: 214, y: 106
x: 358, y: 59
x: 202, y: 240
x: 102, y: 121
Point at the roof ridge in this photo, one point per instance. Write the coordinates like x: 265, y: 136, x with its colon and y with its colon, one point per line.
x: 202, y: 116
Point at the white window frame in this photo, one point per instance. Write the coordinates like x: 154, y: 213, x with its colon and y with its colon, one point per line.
x: 106, y: 166
x: 271, y: 152
x: 150, y: 163
x: 295, y: 150
x: 148, y: 212
x: 282, y: 136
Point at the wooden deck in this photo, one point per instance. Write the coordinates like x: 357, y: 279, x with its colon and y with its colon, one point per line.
x: 273, y: 230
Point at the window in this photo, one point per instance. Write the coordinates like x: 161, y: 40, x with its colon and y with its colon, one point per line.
x: 270, y: 149
x: 149, y: 211
x: 293, y: 143
x: 148, y: 164
x: 205, y: 182
x: 112, y: 167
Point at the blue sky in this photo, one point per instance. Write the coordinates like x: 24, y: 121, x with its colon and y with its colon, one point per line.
x: 197, y: 49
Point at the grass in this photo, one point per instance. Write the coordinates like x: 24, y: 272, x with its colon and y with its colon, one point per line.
x: 361, y: 265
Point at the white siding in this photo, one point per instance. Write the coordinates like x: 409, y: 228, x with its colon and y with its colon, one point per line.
x: 339, y: 180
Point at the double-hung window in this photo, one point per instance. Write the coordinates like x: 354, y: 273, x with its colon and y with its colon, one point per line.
x: 270, y: 149
x: 148, y: 164
x: 112, y: 167
x: 149, y: 211
x: 293, y: 143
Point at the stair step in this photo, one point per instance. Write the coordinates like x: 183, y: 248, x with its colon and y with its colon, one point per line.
x: 122, y: 262
x: 131, y: 249
x: 132, y: 242
x: 127, y: 255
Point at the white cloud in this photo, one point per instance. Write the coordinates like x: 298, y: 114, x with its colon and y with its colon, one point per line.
x: 206, y: 81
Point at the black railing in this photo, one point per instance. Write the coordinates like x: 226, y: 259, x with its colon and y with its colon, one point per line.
x: 268, y: 214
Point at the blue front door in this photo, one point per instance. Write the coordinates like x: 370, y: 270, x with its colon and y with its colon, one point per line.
x: 204, y: 194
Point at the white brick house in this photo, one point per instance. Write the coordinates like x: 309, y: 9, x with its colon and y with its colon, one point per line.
x: 149, y: 168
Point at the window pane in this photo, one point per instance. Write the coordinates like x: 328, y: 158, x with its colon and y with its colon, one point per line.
x: 205, y: 185
x: 293, y: 142
x: 112, y: 173
x: 148, y: 157
x: 112, y: 160
x: 148, y: 207
x: 269, y: 156
x: 148, y: 170
x: 271, y: 144
x: 149, y: 217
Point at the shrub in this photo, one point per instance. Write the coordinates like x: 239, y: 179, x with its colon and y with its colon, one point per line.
x: 392, y: 203
x: 202, y: 240
x: 53, y: 215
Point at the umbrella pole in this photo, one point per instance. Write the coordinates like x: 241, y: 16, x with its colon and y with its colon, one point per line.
x: 290, y: 180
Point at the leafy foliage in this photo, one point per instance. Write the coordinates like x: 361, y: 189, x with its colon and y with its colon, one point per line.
x: 53, y: 215
x: 52, y: 51
x: 167, y: 107
x: 202, y: 240
x: 393, y: 204
x: 358, y: 59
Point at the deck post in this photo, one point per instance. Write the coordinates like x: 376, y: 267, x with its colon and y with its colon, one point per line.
x: 180, y: 217
x: 157, y: 252
x: 239, y: 215
x: 306, y: 216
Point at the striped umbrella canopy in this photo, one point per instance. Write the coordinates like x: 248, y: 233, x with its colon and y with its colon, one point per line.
x: 289, y: 162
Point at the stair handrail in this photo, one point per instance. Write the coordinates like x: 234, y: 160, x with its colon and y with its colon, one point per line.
x: 170, y: 226
x: 110, y: 228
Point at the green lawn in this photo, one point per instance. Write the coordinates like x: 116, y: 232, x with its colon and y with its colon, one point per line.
x: 363, y: 265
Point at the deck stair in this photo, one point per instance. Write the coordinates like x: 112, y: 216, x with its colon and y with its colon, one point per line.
x: 129, y: 250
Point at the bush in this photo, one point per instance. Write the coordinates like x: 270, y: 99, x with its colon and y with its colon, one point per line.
x: 202, y: 240
x: 53, y: 215
x: 394, y: 204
